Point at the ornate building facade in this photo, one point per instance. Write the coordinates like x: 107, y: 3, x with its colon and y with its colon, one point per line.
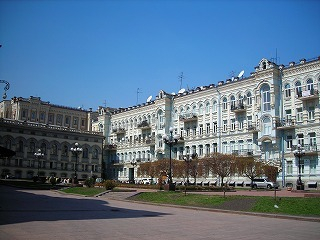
x: 265, y: 115
x: 27, y: 125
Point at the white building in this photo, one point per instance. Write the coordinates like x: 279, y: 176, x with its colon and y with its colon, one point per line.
x: 265, y: 115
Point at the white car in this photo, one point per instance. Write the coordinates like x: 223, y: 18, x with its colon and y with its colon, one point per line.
x: 146, y: 181
x: 264, y: 183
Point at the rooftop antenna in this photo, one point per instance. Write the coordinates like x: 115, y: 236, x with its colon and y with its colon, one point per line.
x: 231, y: 74
x: 181, y: 77
x: 138, y: 91
x: 275, y: 60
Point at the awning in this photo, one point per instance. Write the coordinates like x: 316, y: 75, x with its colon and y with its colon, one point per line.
x: 5, y: 152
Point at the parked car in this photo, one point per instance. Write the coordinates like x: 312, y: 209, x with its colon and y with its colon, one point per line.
x: 146, y: 181
x: 264, y: 183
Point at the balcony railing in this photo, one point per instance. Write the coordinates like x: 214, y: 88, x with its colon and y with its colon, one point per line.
x: 118, y: 130
x: 243, y: 152
x: 308, y: 148
x: 308, y: 94
x: 285, y: 124
x: 188, y: 117
x: 238, y: 108
x: 252, y: 128
x: 144, y: 125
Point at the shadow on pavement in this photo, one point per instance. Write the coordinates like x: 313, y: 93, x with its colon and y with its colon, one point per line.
x: 18, y: 206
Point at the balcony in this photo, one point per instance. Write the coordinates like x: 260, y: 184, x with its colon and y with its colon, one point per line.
x: 111, y: 147
x: 310, y: 149
x: 285, y: 124
x: 252, y: 128
x: 118, y: 130
x: 188, y: 117
x: 238, y: 108
x: 144, y: 125
x: 150, y: 142
x: 243, y: 153
x: 308, y: 95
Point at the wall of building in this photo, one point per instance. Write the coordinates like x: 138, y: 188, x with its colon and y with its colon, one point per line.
x: 244, y: 116
x: 27, y: 127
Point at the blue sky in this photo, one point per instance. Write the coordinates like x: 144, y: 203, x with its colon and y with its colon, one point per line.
x: 86, y: 53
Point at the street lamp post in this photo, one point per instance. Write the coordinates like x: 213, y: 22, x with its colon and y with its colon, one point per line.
x: 133, y: 163
x: 170, y: 141
x: 299, y: 152
x: 188, y: 160
x: 38, y: 155
x: 76, y: 150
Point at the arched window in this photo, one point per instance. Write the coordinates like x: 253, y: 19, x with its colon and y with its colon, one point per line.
x: 287, y: 90
x: 20, y: 146
x: 207, y: 108
x: 266, y: 126
x: 298, y: 89
x: 194, y: 109
x: 214, y: 106
x: 266, y: 99
x: 95, y: 153
x: 175, y: 115
x: 65, y: 150
x: 54, y: 149
x: 225, y: 103
x: 233, y: 102
x: 310, y: 85
x: 85, y: 153
x: 43, y: 148
x: 32, y: 147
x: 201, y: 109
x: 249, y: 99
x: 160, y: 119
x: 240, y: 100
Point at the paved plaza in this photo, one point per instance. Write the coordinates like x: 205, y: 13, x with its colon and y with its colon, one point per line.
x: 39, y: 214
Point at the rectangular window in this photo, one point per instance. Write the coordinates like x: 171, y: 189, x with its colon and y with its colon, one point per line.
x: 33, y: 115
x: 24, y: 114
x: 51, y: 118
x: 215, y: 147
x: 288, y: 114
x: 311, y: 113
x: 224, y: 147
x: 201, y: 150
x: 240, y: 123
x: 67, y: 120
x: 233, y: 124
x: 207, y: 149
x: 313, y: 139
x: 289, y: 168
x: 59, y: 119
x: 289, y: 142
x: 200, y: 129
x: 42, y: 117
x: 300, y: 139
x: 208, y: 128
x: 313, y: 166
x: 249, y: 122
x: 225, y: 125
x: 215, y: 127
x: 75, y: 121
x: 299, y: 115
x: 266, y: 101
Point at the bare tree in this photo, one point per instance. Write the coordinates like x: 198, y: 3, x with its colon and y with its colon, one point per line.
x: 249, y: 167
x: 222, y: 165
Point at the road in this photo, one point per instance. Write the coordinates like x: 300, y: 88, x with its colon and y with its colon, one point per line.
x: 38, y: 214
